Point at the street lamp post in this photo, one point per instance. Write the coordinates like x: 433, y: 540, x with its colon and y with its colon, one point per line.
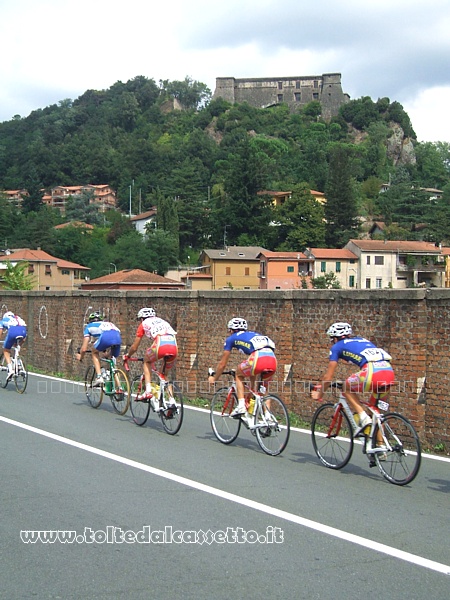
x: 115, y: 267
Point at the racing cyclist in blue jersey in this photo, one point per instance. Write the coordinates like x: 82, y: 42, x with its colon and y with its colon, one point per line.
x: 375, y: 371
x: 104, y: 335
x: 16, y: 328
x: 260, y: 360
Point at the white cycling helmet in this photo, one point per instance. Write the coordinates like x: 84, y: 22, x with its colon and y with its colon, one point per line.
x: 145, y: 313
x: 8, y: 314
x: 339, y: 330
x: 237, y: 324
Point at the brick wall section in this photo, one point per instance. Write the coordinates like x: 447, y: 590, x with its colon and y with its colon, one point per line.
x: 413, y: 325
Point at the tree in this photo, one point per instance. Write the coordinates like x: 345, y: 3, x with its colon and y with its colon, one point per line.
x: 16, y: 278
x: 329, y: 281
x: 341, y: 209
x: 299, y: 221
x: 190, y: 93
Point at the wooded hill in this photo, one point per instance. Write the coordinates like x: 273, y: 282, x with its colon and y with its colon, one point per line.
x: 203, y: 167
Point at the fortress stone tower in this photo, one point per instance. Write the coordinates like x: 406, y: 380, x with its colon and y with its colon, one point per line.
x: 293, y: 91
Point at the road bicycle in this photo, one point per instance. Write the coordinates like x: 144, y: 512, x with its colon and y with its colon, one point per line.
x: 165, y: 392
x: 20, y: 373
x: 269, y: 417
x: 116, y: 385
x: 333, y: 428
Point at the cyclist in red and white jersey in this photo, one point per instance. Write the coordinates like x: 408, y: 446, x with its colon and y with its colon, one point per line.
x: 164, y: 345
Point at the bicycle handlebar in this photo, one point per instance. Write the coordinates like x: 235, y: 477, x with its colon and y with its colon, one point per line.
x: 230, y: 372
x: 127, y: 358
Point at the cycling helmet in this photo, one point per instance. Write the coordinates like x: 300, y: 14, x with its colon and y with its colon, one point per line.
x: 144, y: 313
x: 95, y: 316
x: 237, y: 323
x: 339, y: 330
x: 8, y: 314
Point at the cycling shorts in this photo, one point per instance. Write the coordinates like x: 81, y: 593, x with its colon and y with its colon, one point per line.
x: 14, y: 332
x: 163, y: 346
x: 109, y: 338
x: 262, y: 362
x: 374, y: 377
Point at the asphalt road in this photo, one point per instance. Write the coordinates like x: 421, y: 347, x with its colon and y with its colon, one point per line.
x: 159, y: 516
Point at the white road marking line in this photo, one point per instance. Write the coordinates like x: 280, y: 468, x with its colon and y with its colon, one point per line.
x: 275, y: 512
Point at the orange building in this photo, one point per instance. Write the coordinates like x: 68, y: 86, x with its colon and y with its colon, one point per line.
x: 284, y: 270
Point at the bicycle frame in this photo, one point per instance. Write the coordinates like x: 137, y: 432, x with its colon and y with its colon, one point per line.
x: 268, y: 420
x: 391, y: 444
x: 116, y: 385
x: 20, y: 373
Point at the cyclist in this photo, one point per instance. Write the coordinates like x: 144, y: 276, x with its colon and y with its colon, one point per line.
x: 375, y: 372
x: 15, y: 327
x: 260, y: 360
x: 164, y: 344
x: 104, y: 335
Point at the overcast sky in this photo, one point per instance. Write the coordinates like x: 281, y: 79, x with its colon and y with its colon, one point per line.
x: 51, y: 50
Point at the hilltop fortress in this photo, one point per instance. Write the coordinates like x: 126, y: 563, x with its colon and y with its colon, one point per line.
x: 293, y: 91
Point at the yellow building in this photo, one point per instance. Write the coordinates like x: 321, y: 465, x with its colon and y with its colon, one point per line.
x: 48, y: 272
x: 234, y: 267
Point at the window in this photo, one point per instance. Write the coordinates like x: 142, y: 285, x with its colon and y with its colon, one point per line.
x: 280, y: 85
x: 338, y: 266
x: 379, y: 260
x: 65, y: 272
x: 297, y: 85
x: 262, y: 266
x: 379, y: 283
x: 316, y: 83
x: 48, y: 269
x: 247, y: 271
x: 351, y: 281
x: 227, y: 270
x: 315, y: 96
x: 323, y: 267
x: 290, y: 269
x: 368, y: 283
x: 30, y: 268
x: 280, y: 97
x: 368, y: 260
x: 297, y: 96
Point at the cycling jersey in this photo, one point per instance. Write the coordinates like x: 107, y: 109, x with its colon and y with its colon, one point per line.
x: 106, y: 335
x: 358, y: 350
x: 164, y: 339
x: 154, y: 326
x: 248, y: 342
x: 16, y: 327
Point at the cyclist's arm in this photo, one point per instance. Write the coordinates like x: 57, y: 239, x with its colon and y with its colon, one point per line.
x: 83, y: 348
x: 319, y: 390
x: 134, y: 346
x: 220, y: 367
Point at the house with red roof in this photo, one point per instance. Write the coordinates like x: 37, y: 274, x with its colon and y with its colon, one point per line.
x: 342, y: 262
x: 48, y: 272
x: 133, y: 279
x: 284, y: 270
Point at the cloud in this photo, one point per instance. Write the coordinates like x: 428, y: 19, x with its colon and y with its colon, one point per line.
x: 57, y: 49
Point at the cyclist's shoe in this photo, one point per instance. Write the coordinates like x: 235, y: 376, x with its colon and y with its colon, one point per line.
x: 238, y: 412
x: 145, y: 397
x: 98, y: 381
x: 9, y: 374
x: 155, y: 404
x: 363, y: 423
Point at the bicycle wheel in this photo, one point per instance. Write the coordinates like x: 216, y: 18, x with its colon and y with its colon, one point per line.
x: 21, y: 376
x: 140, y: 409
x: 401, y: 462
x: 93, y: 394
x: 3, y: 373
x: 172, y: 412
x: 120, y: 398
x: 225, y: 428
x: 331, y: 436
x: 272, y: 425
